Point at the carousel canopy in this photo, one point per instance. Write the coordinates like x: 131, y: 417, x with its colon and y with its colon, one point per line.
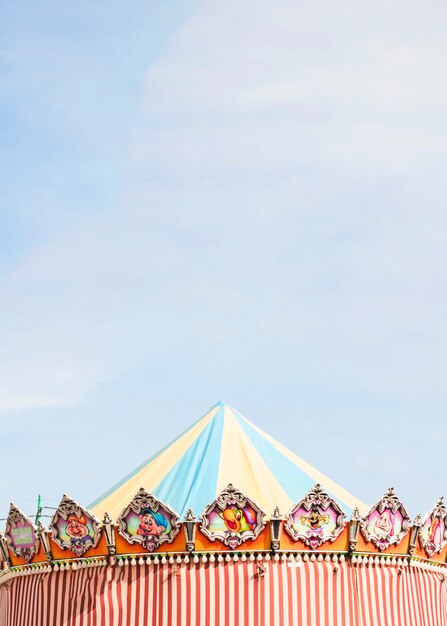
x: 220, y: 448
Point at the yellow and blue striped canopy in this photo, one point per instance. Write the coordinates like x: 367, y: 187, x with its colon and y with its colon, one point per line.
x: 222, y: 447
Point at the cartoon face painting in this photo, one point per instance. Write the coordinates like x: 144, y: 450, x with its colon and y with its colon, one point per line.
x: 77, y: 528
x: 315, y: 520
x: 232, y: 518
x: 148, y: 521
x: 384, y: 524
x: 74, y: 528
x: 238, y: 520
x: 151, y: 524
x: 435, y: 531
x: 78, y: 532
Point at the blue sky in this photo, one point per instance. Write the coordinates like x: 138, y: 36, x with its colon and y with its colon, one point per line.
x: 205, y: 200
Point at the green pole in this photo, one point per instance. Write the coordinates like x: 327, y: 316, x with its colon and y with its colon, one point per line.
x: 39, y: 509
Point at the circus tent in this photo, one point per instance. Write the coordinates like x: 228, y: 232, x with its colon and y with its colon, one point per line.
x: 226, y: 526
x: 220, y: 448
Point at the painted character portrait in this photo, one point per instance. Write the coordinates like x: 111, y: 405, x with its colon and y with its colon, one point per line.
x: 77, y: 528
x: 238, y: 520
x: 152, y: 524
x: 435, y: 531
x: 384, y: 524
x: 315, y: 520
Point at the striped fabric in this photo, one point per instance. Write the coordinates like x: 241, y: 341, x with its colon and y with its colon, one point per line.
x: 222, y: 447
x: 227, y: 594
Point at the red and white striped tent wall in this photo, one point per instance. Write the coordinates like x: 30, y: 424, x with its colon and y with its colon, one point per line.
x: 229, y: 564
x: 313, y: 593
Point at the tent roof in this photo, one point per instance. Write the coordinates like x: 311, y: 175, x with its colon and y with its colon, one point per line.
x: 222, y: 447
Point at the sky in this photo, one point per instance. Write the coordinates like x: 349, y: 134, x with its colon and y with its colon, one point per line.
x: 208, y: 200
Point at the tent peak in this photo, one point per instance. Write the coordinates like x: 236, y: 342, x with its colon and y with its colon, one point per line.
x: 222, y: 403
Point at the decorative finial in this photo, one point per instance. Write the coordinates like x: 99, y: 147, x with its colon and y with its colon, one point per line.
x: 189, y: 517
x: 276, y: 513
x: 356, y: 517
x: 418, y: 519
x: 107, y: 519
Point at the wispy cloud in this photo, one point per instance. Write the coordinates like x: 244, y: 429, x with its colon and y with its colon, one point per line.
x: 283, y: 182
